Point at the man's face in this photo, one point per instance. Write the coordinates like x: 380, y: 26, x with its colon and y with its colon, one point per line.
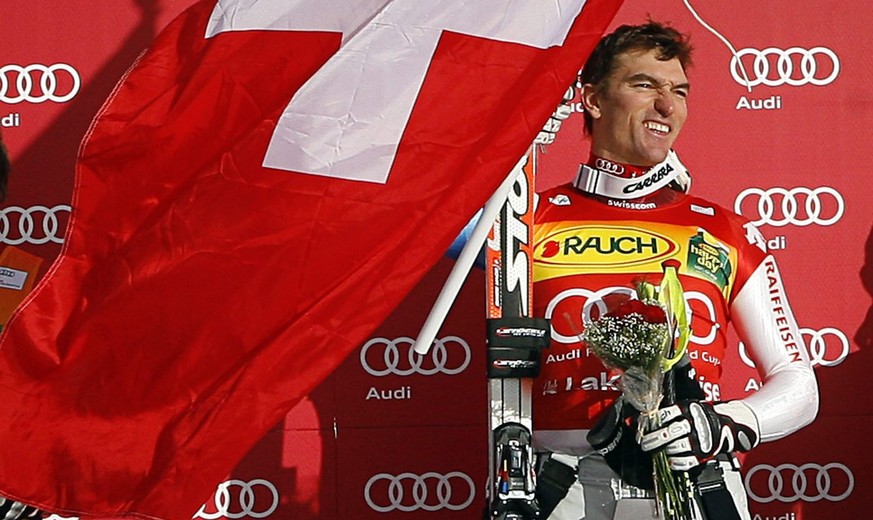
x: 638, y: 116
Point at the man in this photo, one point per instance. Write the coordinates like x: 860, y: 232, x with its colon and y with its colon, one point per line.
x: 624, y: 215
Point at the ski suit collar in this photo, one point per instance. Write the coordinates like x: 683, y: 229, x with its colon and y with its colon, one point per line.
x: 621, y: 181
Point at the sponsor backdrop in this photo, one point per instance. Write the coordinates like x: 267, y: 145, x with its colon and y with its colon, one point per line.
x: 780, y: 112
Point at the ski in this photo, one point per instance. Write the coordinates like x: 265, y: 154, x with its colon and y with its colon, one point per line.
x: 514, y: 340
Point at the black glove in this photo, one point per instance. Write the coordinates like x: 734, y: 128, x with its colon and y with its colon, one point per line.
x: 697, y: 431
x: 614, y: 437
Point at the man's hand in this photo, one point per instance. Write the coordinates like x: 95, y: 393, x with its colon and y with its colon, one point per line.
x: 696, y: 431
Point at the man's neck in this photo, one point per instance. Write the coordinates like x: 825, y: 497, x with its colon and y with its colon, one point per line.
x: 628, y: 171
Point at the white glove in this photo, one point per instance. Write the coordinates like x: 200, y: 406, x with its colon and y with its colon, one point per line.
x: 12, y: 510
x: 550, y: 129
x: 697, y: 431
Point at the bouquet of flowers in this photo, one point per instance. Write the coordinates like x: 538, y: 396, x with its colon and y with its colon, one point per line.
x: 644, y: 338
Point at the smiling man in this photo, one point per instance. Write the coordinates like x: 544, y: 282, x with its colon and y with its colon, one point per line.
x: 626, y: 213
x: 639, y: 108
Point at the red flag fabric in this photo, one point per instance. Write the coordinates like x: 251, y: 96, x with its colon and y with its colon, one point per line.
x: 200, y: 294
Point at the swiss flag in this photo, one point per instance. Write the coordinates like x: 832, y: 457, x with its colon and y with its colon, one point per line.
x: 261, y: 189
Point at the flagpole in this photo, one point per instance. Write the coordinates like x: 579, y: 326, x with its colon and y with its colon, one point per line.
x: 464, y: 263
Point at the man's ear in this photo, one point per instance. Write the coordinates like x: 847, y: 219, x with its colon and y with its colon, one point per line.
x: 590, y: 98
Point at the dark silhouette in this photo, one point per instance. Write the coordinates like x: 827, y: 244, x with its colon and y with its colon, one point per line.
x: 864, y: 335
x: 65, y: 134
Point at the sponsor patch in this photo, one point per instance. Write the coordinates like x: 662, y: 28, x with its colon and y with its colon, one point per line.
x: 604, y: 246
x: 560, y: 200
x: 703, y: 210
x: 709, y: 258
x: 12, y: 278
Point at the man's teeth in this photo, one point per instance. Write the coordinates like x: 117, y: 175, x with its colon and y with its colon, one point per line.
x: 657, y: 127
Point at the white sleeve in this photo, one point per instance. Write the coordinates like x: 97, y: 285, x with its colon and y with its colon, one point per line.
x: 788, y: 398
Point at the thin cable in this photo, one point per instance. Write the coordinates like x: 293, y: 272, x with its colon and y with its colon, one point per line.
x: 723, y: 39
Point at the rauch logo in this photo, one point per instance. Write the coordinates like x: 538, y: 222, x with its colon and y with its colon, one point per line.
x: 601, y: 245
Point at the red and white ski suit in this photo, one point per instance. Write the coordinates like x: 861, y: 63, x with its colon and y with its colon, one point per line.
x: 588, y: 247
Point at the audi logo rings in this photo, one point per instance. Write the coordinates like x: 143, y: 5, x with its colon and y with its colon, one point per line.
x: 817, y: 345
x: 810, y: 63
x: 789, y: 209
x: 439, y: 355
x: 567, y: 304
x: 26, y: 226
x: 608, y: 166
x: 246, y: 502
x: 592, y: 307
x: 58, y: 83
x: 423, y: 487
x: 832, y: 482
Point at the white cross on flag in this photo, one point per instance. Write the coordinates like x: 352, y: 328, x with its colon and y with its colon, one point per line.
x: 260, y: 191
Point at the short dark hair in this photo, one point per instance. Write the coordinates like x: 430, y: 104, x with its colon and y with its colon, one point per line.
x: 669, y: 42
x: 4, y: 171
